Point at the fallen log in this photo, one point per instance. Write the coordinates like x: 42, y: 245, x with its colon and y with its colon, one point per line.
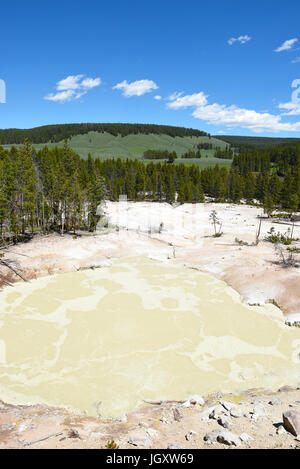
x: 11, y: 268
x: 43, y: 439
x: 163, y: 402
x: 278, y: 222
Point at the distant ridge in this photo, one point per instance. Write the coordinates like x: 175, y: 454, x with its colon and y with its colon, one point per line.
x: 246, y: 141
x: 59, y: 132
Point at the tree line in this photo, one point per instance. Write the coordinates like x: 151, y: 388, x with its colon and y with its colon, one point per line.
x: 55, y: 190
x: 226, y: 153
x: 245, y: 143
x: 160, y: 155
x: 191, y: 154
x: 205, y: 146
x: 169, y: 155
x: 278, y: 159
x: 60, y: 132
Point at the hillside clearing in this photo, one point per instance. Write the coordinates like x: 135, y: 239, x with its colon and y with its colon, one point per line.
x: 104, y: 145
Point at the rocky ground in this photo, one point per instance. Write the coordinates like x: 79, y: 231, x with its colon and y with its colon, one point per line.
x: 254, y: 419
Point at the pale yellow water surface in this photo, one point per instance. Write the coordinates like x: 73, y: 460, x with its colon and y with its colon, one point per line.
x: 101, y: 341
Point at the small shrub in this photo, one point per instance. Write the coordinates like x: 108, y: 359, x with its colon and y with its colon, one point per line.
x: 283, y: 259
x: 294, y: 249
x: 216, y: 223
x: 276, y: 238
x: 240, y: 242
x: 111, y: 444
x: 73, y: 434
x: 281, y: 215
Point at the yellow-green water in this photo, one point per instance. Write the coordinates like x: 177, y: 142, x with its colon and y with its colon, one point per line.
x: 104, y: 340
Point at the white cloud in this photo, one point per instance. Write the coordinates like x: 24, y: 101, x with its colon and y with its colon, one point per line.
x: 61, y: 96
x: 293, y: 106
x: 177, y: 101
x: 287, y: 45
x: 136, y: 88
x: 174, y: 95
x: 158, y: 97
x: 72, y: 87
x: 296, y: 60
x: 89, y: 83
x: 232, y: 116
x: 240, y: 39
x: 69, y: 83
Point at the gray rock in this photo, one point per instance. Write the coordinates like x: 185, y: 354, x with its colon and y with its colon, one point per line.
x: 164, y: 420
x: 244, y: 437
x: 286, y: 389
x: 258, y: 411
x: 215, y: 413
x: 204, y: 415
x: 228, y: 438
x: 208, y: 413
x: 291, y: 421
x: 227, y: 405
x: 174, y: 447
x: 281, y: 430
x: 152, y: 433
x: 143, y: 424
x: 139, y: 438
x: 190, y: 435
x: 211, y: 437
x: 224, y: 421
x: 274, y: 402
x: 236, y: 413
x: 194, y: 399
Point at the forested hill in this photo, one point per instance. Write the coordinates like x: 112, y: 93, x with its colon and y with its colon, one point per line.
x: 59, y: 132
x: 243, y: 142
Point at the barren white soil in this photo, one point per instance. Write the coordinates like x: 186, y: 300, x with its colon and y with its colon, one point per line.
x: 182, y: 235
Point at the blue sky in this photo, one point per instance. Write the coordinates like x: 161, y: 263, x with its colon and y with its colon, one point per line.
x: 222, y: 66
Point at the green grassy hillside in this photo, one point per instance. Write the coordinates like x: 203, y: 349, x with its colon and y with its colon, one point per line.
x: 104, y: 145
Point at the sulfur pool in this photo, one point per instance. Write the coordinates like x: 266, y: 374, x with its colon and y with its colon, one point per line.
x: 102, y: 341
